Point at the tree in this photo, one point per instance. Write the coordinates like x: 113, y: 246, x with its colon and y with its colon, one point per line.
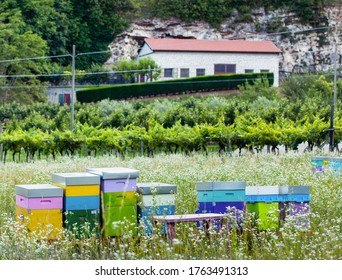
x: 131, y: 69
x: 94, y: 24
x: 295, y: 87
x: 18, y: 81
x: 211, y: 11
x: 126, y: 69
x: 50, y: 19
x: 97, y: 74
x: 150, y: 69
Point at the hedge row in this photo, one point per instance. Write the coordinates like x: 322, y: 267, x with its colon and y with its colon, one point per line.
x: 203, y: 83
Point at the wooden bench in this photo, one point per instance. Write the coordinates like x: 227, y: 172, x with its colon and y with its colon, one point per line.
x: 171, y: 220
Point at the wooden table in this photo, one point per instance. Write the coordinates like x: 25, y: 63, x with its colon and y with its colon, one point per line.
x: 171, y: 220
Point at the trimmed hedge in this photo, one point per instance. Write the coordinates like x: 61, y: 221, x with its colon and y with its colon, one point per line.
x: 203, y: 83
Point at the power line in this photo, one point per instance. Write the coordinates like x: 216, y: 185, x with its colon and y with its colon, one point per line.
x: 246, y: 36
x: 293, y: 32
x: 35, y: 58
x: 33, y: 75
x: 95, y: 73
x: 78, y: 73
x: 166, y: 82
x: 132, y: 71
x: 52, y: 56
x: 97, y: 52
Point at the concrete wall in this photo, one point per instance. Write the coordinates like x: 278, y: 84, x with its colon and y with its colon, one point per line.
x: 54, y: 93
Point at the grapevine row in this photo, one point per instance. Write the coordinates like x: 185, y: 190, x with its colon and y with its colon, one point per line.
x: 252, y: 133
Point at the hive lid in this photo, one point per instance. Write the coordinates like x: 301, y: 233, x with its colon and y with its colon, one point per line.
x: 320, y: 158
x: 204, y: 186
x: 114, y: 172
x: 76, y: 179
x: 156, y: 187
x: 38, y: 190
x: 294, y: 190
x: 335, y: 159
x: 227, y: 185
x: 262, y: 190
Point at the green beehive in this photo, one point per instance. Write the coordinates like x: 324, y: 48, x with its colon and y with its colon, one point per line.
x: 119, y: 199
x: 266, y: 214
x: 82, y: 222
x: 119, y: 220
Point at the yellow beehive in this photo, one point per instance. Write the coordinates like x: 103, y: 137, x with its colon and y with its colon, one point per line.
x: 45, y: 223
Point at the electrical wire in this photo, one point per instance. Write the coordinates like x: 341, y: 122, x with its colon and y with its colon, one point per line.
x: 139, y: 70
x: 35, y: 58
x: 164, y: 82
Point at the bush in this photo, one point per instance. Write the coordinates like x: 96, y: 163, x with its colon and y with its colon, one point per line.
x: 204, y: 83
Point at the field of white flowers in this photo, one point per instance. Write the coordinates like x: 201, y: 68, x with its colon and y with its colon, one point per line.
x: 323, y: 240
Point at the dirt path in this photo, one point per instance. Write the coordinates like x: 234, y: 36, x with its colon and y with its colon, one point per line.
x: 175, y: 96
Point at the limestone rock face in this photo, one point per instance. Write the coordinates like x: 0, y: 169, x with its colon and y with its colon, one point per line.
x: 304, y: 48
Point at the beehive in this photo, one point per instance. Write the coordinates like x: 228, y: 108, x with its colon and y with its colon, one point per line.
x: 155, y: 199
x: 263, y: 203
x: 319, y: 164
x: 81, y: 211
x: 222, y: 197
x: 40, y: 207
x: 295, y: 205
x: 118, y: 200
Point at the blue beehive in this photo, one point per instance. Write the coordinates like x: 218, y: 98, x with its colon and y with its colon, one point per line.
x: 319, y: 164
x: 335, y: 165
x: 295, y: 204
x: 155, y: 199
x: 222, y: 197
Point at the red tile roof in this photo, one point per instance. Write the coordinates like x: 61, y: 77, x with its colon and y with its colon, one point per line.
x: 194, y: 45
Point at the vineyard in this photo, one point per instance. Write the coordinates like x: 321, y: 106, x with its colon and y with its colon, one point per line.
x: 260, y: 116
x: 180, y: 141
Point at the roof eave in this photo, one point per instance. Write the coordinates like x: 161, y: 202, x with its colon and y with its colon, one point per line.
x: 210, y: 51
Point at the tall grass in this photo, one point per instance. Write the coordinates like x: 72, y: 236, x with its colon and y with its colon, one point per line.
x: 323, y: 240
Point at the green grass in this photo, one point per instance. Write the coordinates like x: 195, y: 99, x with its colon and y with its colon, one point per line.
x: 322, y: 241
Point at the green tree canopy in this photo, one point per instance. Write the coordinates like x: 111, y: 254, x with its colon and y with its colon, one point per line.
x: 90, y: 25
x: 50, y: 19
x: 17, y: 80
x: 94, y: 24
x: 131, y: 69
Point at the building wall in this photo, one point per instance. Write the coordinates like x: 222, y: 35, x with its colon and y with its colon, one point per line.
x: 145, y: 50
x: 193, y: 60
x: 58, y: 94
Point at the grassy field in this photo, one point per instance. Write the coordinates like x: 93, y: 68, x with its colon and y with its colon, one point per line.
x: 323, y: 240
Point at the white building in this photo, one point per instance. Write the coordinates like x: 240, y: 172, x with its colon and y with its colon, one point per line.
x: 182, y: 58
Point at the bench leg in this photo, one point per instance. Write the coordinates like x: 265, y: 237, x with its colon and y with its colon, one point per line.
x: 206, y: 224
x: 170, y: 227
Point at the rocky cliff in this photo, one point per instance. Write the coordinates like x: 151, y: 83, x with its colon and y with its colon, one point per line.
x: 304, y: 48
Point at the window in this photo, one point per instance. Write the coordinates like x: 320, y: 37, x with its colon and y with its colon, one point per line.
x: 264, y: 70
x: 249, y: 70
x: 168, y: 72
x: 220, y: 68
x: 200, y: 72
x: 184, y: 73
x: 224, y: 68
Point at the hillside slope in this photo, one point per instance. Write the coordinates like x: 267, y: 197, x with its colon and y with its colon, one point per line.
x: 304, y: 47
